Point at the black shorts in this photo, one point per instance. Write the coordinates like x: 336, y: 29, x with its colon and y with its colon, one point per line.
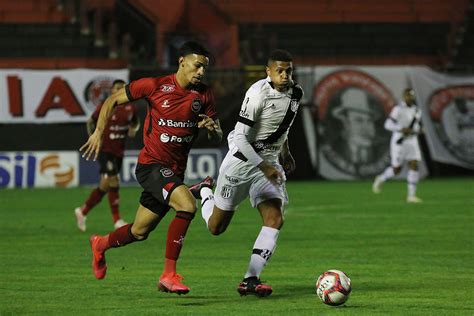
x: 110, y: 164
x: 158, y: 182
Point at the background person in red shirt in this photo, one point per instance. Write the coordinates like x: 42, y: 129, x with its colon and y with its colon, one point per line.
x: 124, y: 122
x: 179, y: 104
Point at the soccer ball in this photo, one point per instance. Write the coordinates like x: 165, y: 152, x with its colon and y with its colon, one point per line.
x: 333, y: 287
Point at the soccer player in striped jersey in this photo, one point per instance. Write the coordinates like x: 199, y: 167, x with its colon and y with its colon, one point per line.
x: 179, y: 105
x: 258, y: 148
x: 404, y: 122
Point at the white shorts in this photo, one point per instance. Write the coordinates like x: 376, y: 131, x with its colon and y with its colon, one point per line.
x: 408, y: 150
x: 238, y: 180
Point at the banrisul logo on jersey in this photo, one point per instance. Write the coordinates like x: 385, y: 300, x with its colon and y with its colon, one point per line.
x: 352, y: 107
x: 451, y: 110
x: 97, y: 90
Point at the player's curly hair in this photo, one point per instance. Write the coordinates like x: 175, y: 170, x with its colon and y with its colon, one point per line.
x: 280, y: 55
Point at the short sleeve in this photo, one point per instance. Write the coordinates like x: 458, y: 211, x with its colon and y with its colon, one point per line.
x: 140, y: 88
x: 210, y: 109
x: 394, y: 114
x: 251, y: 108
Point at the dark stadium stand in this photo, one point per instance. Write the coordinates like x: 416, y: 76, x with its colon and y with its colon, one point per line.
x: 464, y: 42
x: 348, y: 39
x: 47, y: 40
x: 324, y: 32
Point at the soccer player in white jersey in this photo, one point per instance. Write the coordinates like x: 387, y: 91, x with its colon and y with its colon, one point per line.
x: 404, y: 122
x: 258, y: 148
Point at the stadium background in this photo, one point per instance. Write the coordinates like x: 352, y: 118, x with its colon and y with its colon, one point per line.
x: 141, y: 37
x: 403, y: 259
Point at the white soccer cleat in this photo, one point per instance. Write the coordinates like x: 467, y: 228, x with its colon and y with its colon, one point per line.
x: 414, y: 199
x: 81, y: 219
x: 377, y: 185
x: 120, y: 223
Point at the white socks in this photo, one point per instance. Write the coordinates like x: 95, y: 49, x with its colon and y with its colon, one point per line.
x: 387, y: 174
x: 412, y: 179
x: 207, y: 204
x: 262, y: 251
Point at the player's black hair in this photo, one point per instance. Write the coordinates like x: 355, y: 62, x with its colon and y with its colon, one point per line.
x: 117, y: 81
x: 280, y: 55
x: 193, y: 48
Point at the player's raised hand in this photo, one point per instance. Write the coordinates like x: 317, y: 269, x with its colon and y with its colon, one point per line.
x: 92, y: 147
x: 271, y: 173
x: 207, y: 123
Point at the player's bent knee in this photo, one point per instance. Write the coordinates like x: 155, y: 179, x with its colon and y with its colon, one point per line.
x: 139, y: 234
x: 276, y: 223
x: 140, y: 237
x: 188, y: 206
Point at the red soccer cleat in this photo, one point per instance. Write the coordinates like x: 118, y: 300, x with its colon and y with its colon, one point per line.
x: 254, y: 286
x: 195, y: 189
x: 172, y: 283
x: 99, y: 266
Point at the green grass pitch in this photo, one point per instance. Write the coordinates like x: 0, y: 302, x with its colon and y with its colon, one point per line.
x: 403, y: 259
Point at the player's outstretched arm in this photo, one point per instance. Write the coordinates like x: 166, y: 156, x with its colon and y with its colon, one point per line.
x: 92, y: 147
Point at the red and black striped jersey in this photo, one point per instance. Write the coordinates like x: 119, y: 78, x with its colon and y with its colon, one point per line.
x: 170, y: 126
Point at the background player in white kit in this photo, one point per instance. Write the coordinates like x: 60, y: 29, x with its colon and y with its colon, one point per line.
x: 404, y: 122
x: 252, y: 166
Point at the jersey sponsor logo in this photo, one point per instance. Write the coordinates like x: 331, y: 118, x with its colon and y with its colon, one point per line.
x: 165, y: 104
x: 244, y: 114
x: 119, y: 128
x: 166, y: 172
x: 232, y: 180
x: 173, y: 123
x: 113, y: 136
x: 167, y: 88
x: 451, y: 110
x: 165, y: 138
x: 196, y: 105
x: 352, y: 107
x: 243, y: 111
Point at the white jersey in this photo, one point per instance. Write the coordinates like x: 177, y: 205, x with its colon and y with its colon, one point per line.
x: 404, y: 147
x: 403, y: 116
x: 262, y: 128
x: 270, y: 114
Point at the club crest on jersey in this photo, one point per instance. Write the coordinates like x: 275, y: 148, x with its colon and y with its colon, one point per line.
x: 294, y: 105
x: 166, y: 172
x: 196, y: 105
x: 167, y: 88
x: 226, y: 191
